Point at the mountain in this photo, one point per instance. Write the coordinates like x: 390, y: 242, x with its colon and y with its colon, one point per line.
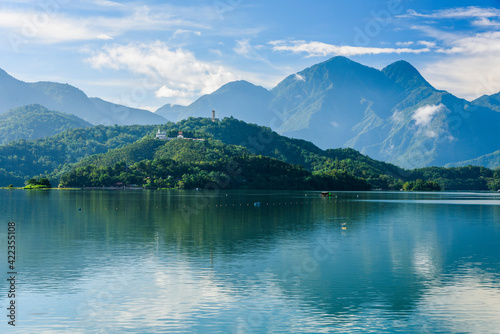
x: 239, y: 99
x: 35, y: 121
x: 89, y: 153
x: 491, y: 160
x: 489, y: 101
x: 189, y: 164
x: 71, y: 100
x: 393, y: 114
x: 114, y: 113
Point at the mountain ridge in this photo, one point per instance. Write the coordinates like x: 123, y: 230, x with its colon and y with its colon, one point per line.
x: 393, y: 114
x: 68, y: 99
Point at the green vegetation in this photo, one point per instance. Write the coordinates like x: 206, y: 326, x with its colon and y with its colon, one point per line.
x: 460, y: 178
x: 35, y: 121
x: 53, y: 156
x: 188, y: 164
x: 38, y: 184
x: 421, y: 185
x: 106, y: 156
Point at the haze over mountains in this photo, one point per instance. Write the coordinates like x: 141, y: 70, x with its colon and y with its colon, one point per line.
x: 392, y: 114
x: 71, y: 100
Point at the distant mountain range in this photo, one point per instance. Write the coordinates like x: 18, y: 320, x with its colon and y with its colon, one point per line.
x: 393, y: 115
x: 68, y: 99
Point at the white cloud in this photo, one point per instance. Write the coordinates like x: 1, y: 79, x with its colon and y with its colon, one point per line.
x: 185, y: 33
x: 456, y: 13
x: 487, y: 42
x: 243, y: 47
x: 424, y: 115
x: 431, y: 133
x: 404, y: 43
x: 172, y: 73
x: 164, y: 91
x: 471, y: 66
x: 485, y: 22
x: 104, y: 37
x: 49, y: 27
x: 107, y: 3
x: 397, y: 117
x: 314, y: 49
x: 45, y: 28
x: 299, y: 77
x: 427, y: 44
x: 468, y: 77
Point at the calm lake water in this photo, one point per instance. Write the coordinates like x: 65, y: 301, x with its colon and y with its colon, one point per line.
x: 171, y: 261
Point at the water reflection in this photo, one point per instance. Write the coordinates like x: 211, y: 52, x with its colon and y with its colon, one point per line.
x: 153, y: 261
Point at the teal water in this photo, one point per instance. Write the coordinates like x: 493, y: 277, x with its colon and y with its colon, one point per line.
x: 188, y: 262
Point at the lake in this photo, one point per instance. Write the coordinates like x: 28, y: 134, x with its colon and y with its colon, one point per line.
x: 191, y: 262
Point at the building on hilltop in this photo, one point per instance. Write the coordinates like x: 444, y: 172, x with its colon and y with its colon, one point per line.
x: 213, y: 117
x: 161, y: 135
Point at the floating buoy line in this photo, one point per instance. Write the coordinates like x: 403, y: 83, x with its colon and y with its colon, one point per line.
x: 257, y: 204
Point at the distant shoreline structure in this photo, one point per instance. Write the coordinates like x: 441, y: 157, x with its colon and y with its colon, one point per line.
x: 162, y: 135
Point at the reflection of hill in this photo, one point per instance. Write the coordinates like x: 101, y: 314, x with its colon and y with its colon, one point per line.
x: 387, y: 258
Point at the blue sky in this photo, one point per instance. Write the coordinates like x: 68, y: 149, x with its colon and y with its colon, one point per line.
x: 149, y: 53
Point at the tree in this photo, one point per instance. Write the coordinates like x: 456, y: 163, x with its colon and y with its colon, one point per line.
x: 31, y: 182
x: 44, y: 182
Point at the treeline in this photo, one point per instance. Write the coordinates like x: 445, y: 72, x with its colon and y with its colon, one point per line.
x: 53, y: 156
x: 106, y: 146
x: 460, y: 178
x: 243, y: 172
x: 189, y: 164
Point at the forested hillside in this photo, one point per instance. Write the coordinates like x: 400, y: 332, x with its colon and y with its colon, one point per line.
x: 34, y: 122
x: 184, y: 163
x: 102, y: 148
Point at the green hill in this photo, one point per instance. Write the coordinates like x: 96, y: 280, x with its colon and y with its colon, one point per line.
x: 101, y: 148
x: 210, y: 164
x: 34, y: 122
x: 24, y: 159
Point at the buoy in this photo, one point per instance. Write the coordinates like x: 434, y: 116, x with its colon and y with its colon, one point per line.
x: 79, y: 209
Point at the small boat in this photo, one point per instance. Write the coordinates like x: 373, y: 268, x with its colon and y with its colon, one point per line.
x: 325, y: 194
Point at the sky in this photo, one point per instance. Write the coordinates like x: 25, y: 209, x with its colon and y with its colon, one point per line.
x: 147, y: 54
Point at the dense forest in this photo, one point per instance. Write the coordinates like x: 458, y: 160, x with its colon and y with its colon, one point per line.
x: 182, y: 163
x: 77, y: 157
x: 34, y: 122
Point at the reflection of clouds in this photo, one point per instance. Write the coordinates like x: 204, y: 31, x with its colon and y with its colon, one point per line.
x: 424, y: 262
x: 468, y: 305
x: 178, y: 297
x: 174, y: 294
